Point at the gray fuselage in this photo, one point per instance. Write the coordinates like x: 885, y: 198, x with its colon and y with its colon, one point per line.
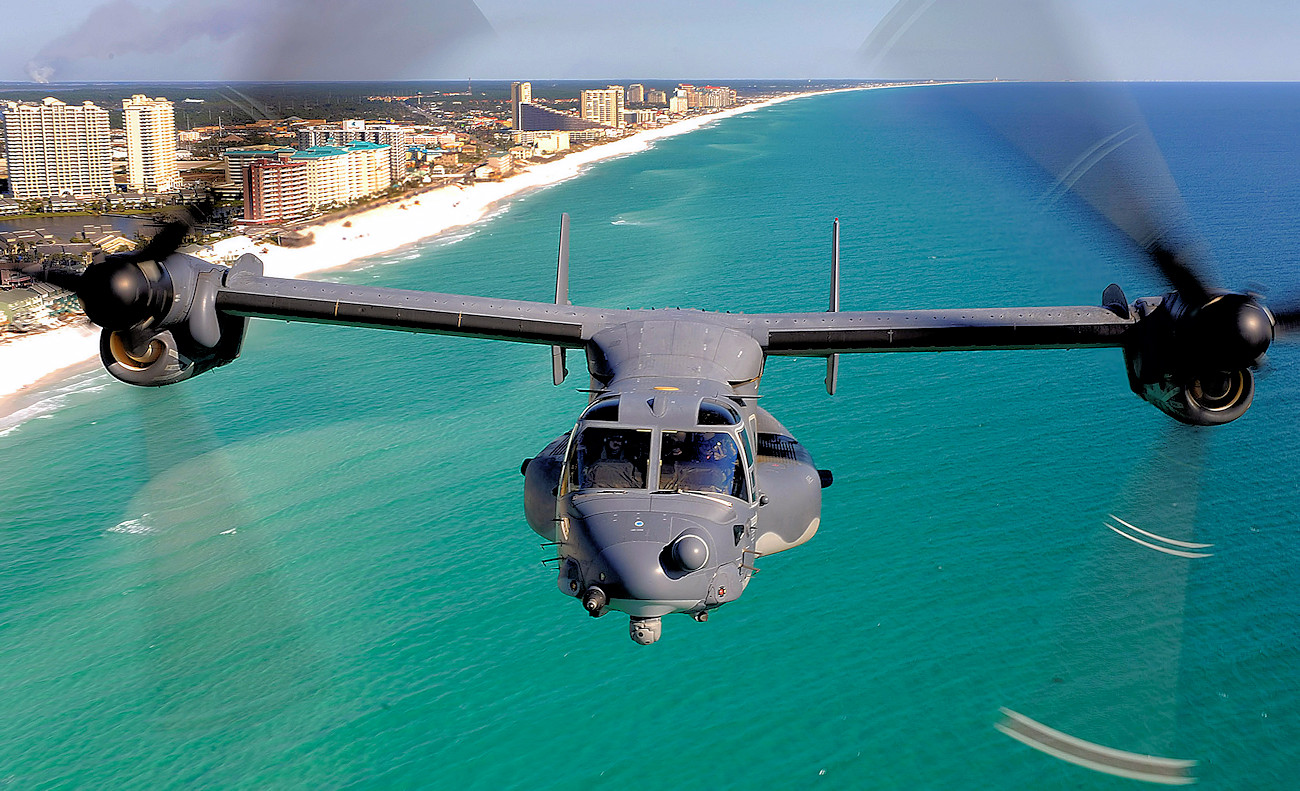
x: 670, y: 486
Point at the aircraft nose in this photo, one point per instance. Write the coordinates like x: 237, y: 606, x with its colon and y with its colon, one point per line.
x: 637, y: 571
x: 649, y: 563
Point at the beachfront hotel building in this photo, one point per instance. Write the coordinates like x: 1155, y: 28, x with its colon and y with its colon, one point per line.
x: 635, y: 93
x: 57, y: 149
x: 542, y: 143
x: 528, y: 119
x: 395, y: 138
x: 520, y: 93
x: 290, y: 184
x: 342, y: 174
x: 709, y: 97
x: 150, y: 144
x: 604, y: 106
x: 536, y: 118
x: 275, y: 190
x: 239, y: 160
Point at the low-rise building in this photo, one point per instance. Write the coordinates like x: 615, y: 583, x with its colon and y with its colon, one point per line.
x: 55, y: 301
x: 13, y: 278
x: 23, y: 240
x: 111, y: 243
x: 503, y: 165
x: 432, y: 139
x: 58, y: 203
x: 639, y: 117
x: 543, y: 143
x: 79, y: 251
x: 133, y: 200
x: 21, y: 310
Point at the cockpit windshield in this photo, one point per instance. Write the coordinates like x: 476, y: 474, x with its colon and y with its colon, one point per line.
x: 701, y: 461
x: 610, y: 458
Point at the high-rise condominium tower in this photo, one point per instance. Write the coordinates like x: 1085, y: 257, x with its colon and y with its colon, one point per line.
x: 604, y: 106
x: 150, y: 143
x: 520, y: 93
x: 57, y: 149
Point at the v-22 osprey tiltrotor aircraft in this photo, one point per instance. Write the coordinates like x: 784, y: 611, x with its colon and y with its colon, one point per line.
x: 673, y: 481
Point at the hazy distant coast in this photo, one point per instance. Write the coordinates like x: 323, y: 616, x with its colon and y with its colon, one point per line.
x: 28, y: 365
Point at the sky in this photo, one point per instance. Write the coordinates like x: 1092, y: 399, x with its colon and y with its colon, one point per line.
x: 160, y: 40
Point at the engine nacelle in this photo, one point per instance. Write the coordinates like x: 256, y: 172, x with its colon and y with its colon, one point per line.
x: 1192, y: 363
x: 163, y: 357
x: 1207, y: 400
x: 161, y: 323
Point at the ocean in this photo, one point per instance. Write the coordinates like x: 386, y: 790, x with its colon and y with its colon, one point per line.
x: 310, y: 568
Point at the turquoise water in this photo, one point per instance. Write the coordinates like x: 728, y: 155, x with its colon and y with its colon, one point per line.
x: 380, y: 616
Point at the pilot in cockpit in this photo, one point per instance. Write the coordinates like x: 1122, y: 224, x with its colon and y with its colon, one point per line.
x: 697, y: 462
x: 610, y: 468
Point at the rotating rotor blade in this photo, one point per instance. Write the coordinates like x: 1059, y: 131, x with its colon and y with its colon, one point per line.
x: 171, y: 235
x: 1088, y: 136
x: 286, y: 40
x: 208, y: 568
x: 1288, y: 318
x: 163, y: 243
x: 1113, y: 679
x: 126, y: 290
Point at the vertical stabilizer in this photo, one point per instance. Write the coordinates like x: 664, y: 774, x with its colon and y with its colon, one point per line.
x: 558, y: 369
x: 833, y: 360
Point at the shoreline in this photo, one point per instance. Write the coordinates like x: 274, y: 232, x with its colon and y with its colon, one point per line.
x: 30, y: 366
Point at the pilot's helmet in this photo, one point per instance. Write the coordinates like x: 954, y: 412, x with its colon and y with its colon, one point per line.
x: 713, y: 447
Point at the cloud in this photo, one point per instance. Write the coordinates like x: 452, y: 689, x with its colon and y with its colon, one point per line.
x: 284, y: 40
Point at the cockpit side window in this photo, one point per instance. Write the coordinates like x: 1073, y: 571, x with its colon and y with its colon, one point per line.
x: 701, y: 461
x: 610, y: 458
x: 713, y: 413
x: 602, y: 410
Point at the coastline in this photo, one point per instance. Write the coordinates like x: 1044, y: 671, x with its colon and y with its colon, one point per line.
x: 30, y: 366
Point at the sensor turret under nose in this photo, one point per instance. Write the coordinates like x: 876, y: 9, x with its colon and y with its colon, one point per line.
x: 645, y: 630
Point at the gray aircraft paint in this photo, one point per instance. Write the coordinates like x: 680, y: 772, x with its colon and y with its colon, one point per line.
x: 656, y: 545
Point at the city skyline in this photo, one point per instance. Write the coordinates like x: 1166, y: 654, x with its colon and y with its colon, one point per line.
x: 149, y: 40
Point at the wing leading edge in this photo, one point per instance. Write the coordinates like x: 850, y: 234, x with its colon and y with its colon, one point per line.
x: 848, y: 332
x: 248, y: 293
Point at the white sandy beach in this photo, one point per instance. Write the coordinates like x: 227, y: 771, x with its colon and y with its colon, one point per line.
x: 43, y: 358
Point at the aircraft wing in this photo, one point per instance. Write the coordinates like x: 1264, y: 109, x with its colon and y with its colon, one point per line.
x: 846, y: 332
x: 247, y: 293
